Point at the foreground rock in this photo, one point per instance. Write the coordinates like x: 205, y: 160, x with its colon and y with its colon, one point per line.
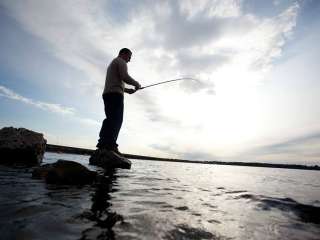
x: 65, y: 172
x: 107, y: 160
x: 21, y: 146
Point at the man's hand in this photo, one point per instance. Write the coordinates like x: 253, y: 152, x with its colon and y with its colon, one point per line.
x: 138, y: 86
x: 130, y: 90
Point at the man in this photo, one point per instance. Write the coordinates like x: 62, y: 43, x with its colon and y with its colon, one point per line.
x: 117, y: 76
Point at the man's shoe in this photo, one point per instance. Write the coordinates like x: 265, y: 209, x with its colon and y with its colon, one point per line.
x: 116, y: 154
x: 109, y: 153
x: 116, y: 150
x: 109, y: 159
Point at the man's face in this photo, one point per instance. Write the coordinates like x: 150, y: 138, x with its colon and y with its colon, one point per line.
x: 127, y: 57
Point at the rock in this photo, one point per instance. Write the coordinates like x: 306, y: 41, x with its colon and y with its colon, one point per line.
x: 65, y: 172
x: 108, y: 160
x: 21, y: 146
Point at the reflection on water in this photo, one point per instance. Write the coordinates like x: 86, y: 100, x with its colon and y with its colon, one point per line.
x: 99, y: 212
x: 162, y: 200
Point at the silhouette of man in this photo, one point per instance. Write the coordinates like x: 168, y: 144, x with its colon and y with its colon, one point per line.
x: 117, y: 76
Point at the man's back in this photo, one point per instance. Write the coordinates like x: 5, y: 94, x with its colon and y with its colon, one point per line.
x: 114, y: 82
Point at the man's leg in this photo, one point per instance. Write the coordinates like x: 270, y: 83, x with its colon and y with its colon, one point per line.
x: 113, y: 103
x: 116, y: 120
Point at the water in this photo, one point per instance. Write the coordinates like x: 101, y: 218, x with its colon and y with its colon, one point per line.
x: 163, y: 200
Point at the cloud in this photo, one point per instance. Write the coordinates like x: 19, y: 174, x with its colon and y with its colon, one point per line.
x: 89, y: 121
x: 194, y: 86
x: 174, y: 31
x: 272, y: 35
x: 189, y: 154
x: 200, y: 156
x: 211, y: 8
x: 181, y: 25
x: 50, y: 107
x: 153, y: 111
x: 303, y: 144
x: 194, y: 63
x: 194, y: 39
x: 72, y: 36
x: 302, y: 149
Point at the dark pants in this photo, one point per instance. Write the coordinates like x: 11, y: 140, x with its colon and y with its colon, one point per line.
x: 113, y: 107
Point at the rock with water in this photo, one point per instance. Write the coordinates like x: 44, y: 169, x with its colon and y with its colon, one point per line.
x: 21, y: 146
x: 108, y: 160
x: 65, y: 172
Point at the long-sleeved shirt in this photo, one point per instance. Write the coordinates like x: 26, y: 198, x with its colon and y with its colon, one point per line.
x: 117, y: 75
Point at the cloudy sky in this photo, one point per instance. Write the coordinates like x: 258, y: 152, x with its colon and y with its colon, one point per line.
x: 257, y: 95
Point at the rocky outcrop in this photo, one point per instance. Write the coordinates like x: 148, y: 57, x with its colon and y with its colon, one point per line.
x: 108, y: 160
x: 21, y: 146
x: 65, y: 172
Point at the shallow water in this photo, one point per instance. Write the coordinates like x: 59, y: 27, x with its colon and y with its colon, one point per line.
x: 163, y: 200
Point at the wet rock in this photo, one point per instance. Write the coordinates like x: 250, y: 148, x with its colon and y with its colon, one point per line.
x: 65, y: 172
x: 20, y: 146
x: 109, y: 160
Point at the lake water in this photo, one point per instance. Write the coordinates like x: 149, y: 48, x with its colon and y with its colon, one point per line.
x: 163, y: 200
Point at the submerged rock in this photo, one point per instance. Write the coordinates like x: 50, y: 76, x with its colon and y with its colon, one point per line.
x: 109, y: 160
x: 21, y: 146
x: 65, y: 172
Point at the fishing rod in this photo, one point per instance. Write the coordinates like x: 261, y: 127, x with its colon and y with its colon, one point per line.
x: 173, y: 80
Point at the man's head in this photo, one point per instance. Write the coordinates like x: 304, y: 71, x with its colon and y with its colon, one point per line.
x: 125, y: 54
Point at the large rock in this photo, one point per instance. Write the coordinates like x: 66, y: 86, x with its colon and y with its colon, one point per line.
x: 21, y: 146
x: 109, y: 160
x: 65, y: 172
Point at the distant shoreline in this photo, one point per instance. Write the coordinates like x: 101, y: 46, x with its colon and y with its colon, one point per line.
x: 83, y: 151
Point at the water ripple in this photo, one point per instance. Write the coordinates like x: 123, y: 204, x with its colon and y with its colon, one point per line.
x: 162, y: 201
x: 306, y: 213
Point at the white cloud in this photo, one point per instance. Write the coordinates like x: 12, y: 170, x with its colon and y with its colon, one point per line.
x: 303, y: 149
x: 194, y: 39
x: 71, y: 31
x: 50, y: 107
x: 211, y: 8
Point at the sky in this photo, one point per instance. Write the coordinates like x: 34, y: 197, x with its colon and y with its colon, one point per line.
x: 256, y: 99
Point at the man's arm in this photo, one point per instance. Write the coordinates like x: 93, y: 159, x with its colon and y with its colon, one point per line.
x: 123, y: 71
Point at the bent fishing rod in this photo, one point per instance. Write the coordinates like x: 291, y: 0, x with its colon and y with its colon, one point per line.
x: 173, y: 80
